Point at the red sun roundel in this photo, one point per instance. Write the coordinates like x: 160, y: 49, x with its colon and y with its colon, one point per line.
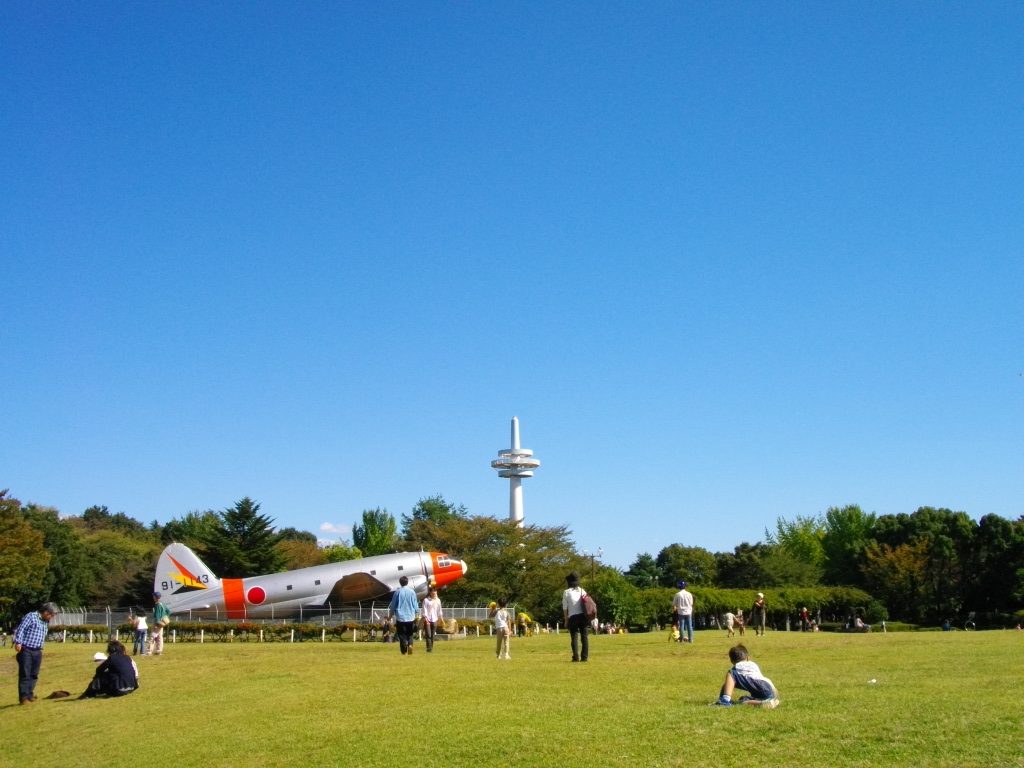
x: 256, y: 595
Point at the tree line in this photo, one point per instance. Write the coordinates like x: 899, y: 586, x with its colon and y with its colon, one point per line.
x: 922, y: 567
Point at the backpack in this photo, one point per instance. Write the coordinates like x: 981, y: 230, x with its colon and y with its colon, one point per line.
x: 589, y: 607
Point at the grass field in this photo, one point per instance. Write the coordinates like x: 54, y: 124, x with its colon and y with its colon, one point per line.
x: 941, y: 699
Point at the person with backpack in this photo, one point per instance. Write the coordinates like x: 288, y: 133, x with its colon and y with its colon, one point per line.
x: 574, y: 614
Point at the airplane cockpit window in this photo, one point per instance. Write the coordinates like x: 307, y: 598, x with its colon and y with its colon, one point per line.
x: 444, y: 562
x: 401, y: 567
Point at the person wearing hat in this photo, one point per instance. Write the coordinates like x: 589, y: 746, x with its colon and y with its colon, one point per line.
x: 759, y: 614
x: 575, y: 617
x: 28, y: 643
x: 682, y: 604
x: 161, y: 618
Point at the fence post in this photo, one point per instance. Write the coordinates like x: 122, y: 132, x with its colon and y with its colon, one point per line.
x: 293, y: 636
x: 323, y: 635
x: 202, y: 636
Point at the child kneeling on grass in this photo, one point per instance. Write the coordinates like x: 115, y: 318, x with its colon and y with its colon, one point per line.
x: 747, y: 676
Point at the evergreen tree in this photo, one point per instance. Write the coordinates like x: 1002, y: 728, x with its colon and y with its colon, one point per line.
x: 241, y: 542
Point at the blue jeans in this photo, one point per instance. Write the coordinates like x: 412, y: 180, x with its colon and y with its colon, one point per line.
x: 686, y: 628
x: 29, y: 661
x: 139, y: 645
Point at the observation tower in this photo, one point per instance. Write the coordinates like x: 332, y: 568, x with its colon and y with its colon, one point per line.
x: 515, y: 463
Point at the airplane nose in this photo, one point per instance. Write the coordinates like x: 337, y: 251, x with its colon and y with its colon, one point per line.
x: 447, y: 569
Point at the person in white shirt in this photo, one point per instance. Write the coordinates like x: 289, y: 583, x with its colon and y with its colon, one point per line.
x: 747, y: 676
x: 432, y: 613
x: 682, y: 602
x: 575, y: 617
x: 502, y: 627
x: 141, y: 628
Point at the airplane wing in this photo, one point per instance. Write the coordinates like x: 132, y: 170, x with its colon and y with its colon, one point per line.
x: 356, y: 587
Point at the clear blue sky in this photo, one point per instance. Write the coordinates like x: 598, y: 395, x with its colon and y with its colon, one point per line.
x: 726, y: 262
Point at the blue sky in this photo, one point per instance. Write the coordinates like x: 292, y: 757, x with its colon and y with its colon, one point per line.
x: 725, y: 262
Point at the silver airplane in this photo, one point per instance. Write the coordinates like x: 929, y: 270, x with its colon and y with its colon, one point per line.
x: 186, y: 584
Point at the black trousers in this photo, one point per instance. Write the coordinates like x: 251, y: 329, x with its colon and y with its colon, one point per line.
x: 406, y: 631
x: 579, y: 629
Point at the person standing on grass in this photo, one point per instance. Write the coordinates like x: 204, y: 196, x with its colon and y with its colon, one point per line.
x: 682, y: 603
x: 141, y: 628
x: 161, y: 618
x: 502, y: 627
x: 432, y: 615
x: 759, y: 614
x: 28, y: 644
x: 730, y: 622
x: 575, y: 617
x: 403, y: 609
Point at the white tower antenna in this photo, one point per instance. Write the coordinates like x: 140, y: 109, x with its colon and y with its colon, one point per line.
x: 515, y: 463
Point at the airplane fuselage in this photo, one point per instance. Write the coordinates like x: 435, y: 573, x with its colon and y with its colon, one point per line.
x: 189, y: 587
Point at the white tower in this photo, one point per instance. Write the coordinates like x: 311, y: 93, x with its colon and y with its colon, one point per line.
x: 515, y: 463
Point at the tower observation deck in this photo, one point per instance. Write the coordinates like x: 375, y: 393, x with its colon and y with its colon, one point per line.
x: 515, y: 463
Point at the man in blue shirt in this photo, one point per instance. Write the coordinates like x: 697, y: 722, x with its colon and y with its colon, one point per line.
x: 28, y: 642
x: 404, y: 607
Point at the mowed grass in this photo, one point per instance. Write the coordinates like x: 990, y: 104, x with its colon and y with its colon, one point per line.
x: 941, y: 699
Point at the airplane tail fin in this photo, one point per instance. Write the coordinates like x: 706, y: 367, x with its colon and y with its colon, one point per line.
x: 179, y: 573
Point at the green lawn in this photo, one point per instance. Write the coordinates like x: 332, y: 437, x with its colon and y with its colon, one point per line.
x: 941, y: 699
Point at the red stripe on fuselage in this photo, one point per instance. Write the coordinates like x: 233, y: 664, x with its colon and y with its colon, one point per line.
x: 234, y: 598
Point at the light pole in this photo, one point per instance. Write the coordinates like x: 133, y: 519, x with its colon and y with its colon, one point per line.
x: 593, y: 556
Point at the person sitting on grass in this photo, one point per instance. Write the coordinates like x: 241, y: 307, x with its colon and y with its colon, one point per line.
x: 746, y: 676
x: 116, y: 675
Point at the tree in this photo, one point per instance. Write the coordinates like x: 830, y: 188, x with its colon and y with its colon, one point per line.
x: 242, y: 542
x: 67, y: 580
x: 898, y: 575
x: 377, y: 534
x: 802, y: 556
x: 98, y: 518
x: 299, y: 553
x: 294, y: 534
x: 433, y: 508
x: 339, y: 553
x: 847, y: 532
x: 743, y: 567
x: 996, y: 565
x: 644, y: 572
x: 695, y: 565
x: 114, y: 561
x: 23, y: 560
x: 192, y: 530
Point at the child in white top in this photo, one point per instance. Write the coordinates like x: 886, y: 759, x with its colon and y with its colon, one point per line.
x: 502, y: 627
x: 747, y: 676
